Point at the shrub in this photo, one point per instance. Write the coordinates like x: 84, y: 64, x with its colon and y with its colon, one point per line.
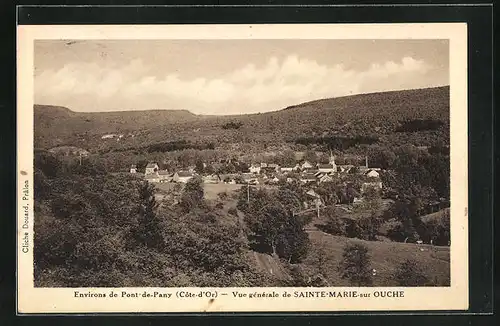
x: 355, y: 265
x: 409, y: 273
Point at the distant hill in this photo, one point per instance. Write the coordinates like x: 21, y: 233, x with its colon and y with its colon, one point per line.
x: 106, y: 121
x: 375, y: 114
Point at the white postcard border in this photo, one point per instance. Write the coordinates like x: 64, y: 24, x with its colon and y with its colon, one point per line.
x: 63, y: 300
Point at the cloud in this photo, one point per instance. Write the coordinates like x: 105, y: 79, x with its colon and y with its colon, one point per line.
x: 274, y: 85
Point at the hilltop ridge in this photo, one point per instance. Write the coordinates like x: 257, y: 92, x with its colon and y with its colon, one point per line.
x: 373, y: 115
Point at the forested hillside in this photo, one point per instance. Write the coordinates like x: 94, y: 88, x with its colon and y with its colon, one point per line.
x: 420, y: 117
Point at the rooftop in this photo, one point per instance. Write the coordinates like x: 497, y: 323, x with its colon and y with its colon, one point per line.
x: 184, y: 174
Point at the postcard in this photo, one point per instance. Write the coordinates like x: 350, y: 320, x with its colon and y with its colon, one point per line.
x: 242, y: 168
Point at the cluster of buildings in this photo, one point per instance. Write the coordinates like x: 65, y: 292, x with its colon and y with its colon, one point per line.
x: 269, y: 173
x: 307, y: 172
x: 153, y: 173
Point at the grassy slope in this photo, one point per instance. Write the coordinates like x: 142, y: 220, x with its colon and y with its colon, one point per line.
x: 385, y: 257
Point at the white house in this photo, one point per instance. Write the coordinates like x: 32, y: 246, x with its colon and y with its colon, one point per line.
x: 182, y: 176
x: 151, y: 168
x: 255, y: 168
x: 312, y: 193
x: 289, y: 168
x: 213, y: 178
x: 133, y: 168
x: 306, y: 165
x: 372, y: 174
x: 325, y: 178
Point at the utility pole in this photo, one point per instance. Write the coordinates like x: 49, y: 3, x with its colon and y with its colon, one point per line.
x: 80, y: 158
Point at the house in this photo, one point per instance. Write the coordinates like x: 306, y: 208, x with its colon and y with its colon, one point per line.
x: 306, y: 165
x: 247, y: 176
x: 314, y: 199
x: 164, y: 176
x: 263, y: 165
x: 133, y: 168
x: 108, y: 136
x: 345, y: 168
x: 312, y: 194
x: 213, y: 178
x: 372, y: 174
x: 325, y: 178
x: 308, y: 178
x: 328, y: 168
x: 255, y: 168
x: 290, y: 168
x: 182, y: 176
x: 152, y: 177
x: 151, y: 168
x: 274, y: 166
x: 313, y: 170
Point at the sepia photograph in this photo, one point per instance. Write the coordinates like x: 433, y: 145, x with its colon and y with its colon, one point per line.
x: 271, y: 162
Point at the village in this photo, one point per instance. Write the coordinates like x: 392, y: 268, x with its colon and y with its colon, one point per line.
x: 308, y: 174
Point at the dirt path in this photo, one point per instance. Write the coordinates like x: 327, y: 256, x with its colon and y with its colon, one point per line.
x: 269, y: 264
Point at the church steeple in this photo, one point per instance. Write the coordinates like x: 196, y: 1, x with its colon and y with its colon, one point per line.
x: 332, y: 158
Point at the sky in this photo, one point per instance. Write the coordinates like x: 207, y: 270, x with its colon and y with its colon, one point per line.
x: 228, y: 76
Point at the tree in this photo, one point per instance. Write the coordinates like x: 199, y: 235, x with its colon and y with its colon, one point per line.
x: 334, y: 224
x: 355, y: 265
x: 293, y: 242
x: 200, y: 168
x: 369, y: 226
x: 193, y: 194
x: 290, y: 199
x: 409, y: 273
x: 148, y: 231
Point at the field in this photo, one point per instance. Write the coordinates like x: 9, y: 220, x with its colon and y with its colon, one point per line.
x: 211, y: 189
x: 385, y: 258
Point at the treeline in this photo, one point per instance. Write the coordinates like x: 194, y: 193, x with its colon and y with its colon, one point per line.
x: 419, y: 125
x: 95, y: 230
x: 177, y: 145
x: 232, y: 125
x: 162, y: 147
x: 336, y: 142
x: 419, y: 181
